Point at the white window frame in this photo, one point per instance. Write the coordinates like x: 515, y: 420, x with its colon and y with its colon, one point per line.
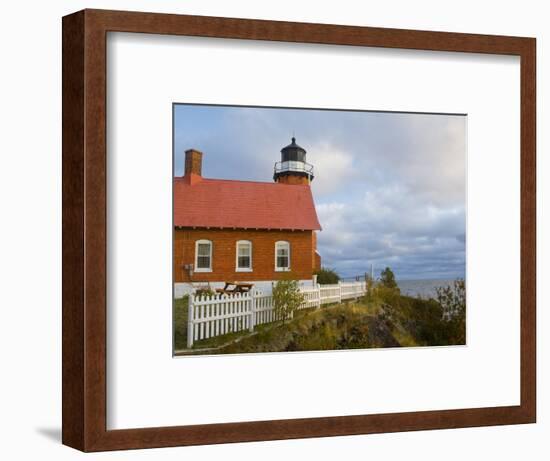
x: 197, y: 243
x: 242, y: 269
x: 278, y: 244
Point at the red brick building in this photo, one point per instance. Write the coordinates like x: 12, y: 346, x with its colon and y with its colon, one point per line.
x: 227, y: 230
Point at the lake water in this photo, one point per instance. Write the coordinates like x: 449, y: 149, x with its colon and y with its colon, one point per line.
x: 422, y: 288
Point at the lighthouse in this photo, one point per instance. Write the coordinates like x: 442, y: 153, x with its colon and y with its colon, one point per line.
x: 293, y: 168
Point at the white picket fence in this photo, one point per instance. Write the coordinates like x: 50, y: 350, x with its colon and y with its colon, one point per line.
x: 210, y: 316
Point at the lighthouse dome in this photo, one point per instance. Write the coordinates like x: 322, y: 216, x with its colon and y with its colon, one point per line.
x: 293, y: 153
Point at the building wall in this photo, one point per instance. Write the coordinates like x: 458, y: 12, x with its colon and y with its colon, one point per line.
x: 293, y: 179
x: 316, y: 258
x: 302, y: 254
x: 317, y: 263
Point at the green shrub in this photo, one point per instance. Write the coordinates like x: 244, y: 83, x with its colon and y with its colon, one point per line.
x: 287, y: 298
x: 327, y: 276
x: 452, y: 299
x: 387, y: 295
x: 387, y: 278
x: 430, y: 322
x: 453, y: 303
x: 204, y: 291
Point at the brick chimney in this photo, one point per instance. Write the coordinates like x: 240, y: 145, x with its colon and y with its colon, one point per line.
x: 193, y: 162
x: 193, y: 165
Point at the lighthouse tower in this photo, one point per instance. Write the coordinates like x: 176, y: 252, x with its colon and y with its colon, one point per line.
x: 293, y: 168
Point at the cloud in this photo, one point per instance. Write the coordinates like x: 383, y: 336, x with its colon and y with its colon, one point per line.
x: 332, y: 168
x: 416, y: 242
x: 389, y: 187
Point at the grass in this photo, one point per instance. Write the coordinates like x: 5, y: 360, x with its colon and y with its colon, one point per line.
x: 180, y: 329
x: 180, y: 322
x: 339, y: 326
x: 386, y: 319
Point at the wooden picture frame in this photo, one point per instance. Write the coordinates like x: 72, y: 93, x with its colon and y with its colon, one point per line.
x: 85, y: 222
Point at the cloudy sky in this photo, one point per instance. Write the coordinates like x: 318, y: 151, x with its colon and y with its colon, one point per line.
x: 389, y: 188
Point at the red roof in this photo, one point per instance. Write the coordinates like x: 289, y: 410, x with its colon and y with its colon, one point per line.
x: 220, y: 203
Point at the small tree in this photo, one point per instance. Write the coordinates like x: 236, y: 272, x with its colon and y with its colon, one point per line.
x: 387, y: 278
x: 453, y: 303
x: 287, y: 298
x: 327, y: 276
x: 453, y: 300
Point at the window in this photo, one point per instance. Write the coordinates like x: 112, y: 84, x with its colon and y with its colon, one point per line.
x: 282, y: 256
x: 244, y: 256
x: 203, y: 256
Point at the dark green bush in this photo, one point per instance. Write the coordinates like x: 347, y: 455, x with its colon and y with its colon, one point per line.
x: 327, y: 276
x: 387, y: 278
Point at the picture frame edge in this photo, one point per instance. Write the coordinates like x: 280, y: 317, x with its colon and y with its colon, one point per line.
x: 84, y: 400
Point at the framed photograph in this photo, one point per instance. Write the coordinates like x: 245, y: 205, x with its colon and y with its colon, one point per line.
x: 279, y: 230
x: 256, y: 271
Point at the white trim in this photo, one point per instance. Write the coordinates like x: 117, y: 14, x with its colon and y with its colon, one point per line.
x: 243, y: 269
x: 205, y: 269
x: 277, y: 244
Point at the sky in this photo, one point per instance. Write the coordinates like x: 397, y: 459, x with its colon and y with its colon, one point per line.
x: 389, y: 187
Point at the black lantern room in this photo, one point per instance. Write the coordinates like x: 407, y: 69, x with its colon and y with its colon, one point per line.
x: 293, y: 164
